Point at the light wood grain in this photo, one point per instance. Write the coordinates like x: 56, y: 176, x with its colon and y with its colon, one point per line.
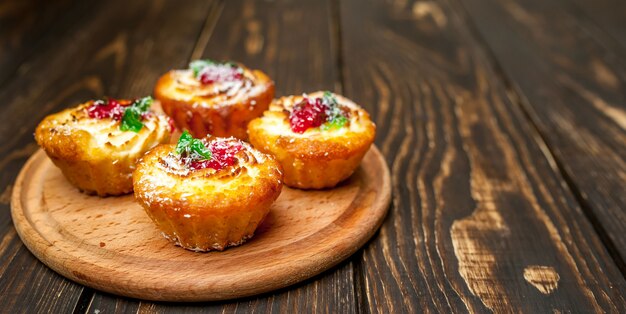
x: 110, y: 243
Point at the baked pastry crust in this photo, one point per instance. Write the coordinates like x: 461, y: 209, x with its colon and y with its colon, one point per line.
x: 220, y: 108
x: 317, y: 158
x: 94, y: 154
x: 207, y: 209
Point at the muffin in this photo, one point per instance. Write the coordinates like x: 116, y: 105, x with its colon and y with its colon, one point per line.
x: 217, y: 98
x: 207, y: 194
x: 97, y: 144
x: 319, y: 139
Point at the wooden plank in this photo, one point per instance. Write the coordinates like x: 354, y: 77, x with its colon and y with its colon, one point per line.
x: 25, y: 24
x: 481, y: 221
x: 106, y: 303
x: 572, y: 82
x: 292, y: 43
x: 106, y: 55
x: 608, y: 15
x: 32, y: 287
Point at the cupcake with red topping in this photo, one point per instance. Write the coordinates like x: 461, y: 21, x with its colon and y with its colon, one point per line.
x: 97, y: 143
x: 319, y: 138
x: 212, y: 97
x: 207, y: 194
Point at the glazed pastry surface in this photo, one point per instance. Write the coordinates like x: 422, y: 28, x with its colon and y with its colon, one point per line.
x: 319, y: 157
x: 221, y: 107
x: 205, y: 206
x: 95, y: 154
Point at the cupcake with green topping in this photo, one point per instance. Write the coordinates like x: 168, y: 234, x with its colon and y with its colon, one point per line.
x: 319, y: 138
x: 97, y: 143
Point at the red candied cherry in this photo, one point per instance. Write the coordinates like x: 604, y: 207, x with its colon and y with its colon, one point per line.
x: 171, y: 123
x: 309, y: 113
x: 222, y: 155
x: 110, y: 108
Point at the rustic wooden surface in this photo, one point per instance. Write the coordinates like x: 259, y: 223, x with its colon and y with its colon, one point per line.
x: 571, y: 78
x: 123, y: 252
x: 502, y: 122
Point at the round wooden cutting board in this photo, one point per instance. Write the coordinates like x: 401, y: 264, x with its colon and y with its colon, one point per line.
x: 110, y: 244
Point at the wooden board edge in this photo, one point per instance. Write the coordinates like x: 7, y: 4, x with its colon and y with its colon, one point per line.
x: 39, y: 246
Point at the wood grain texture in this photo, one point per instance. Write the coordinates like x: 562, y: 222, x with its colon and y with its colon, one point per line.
x: 102, y: 54
x: 571, y: 79
x: 544, y: 278
x: 462, y: 152
x: 475, y: 200
x: 27, y: 25
x: 290, y: 41
x: 608, y: 15
x: 110, y: 244
x: 20, y: 276
x: 107, y: 303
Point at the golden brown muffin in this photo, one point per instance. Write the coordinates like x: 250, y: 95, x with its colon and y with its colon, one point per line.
x: 207, y: 194
x: 319, y: 139
x: 97, y: 143
x: 217, y: 98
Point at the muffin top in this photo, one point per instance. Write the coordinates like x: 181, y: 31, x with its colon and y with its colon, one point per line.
x: 315, y: 115
x: 211, y: 172
x: 208, y: 83
x: 97, y: 127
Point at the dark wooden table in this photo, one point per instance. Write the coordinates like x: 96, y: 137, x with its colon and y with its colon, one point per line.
x: 503, y: 123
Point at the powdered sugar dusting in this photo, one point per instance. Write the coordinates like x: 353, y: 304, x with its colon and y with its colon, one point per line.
x: 215, y: 94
